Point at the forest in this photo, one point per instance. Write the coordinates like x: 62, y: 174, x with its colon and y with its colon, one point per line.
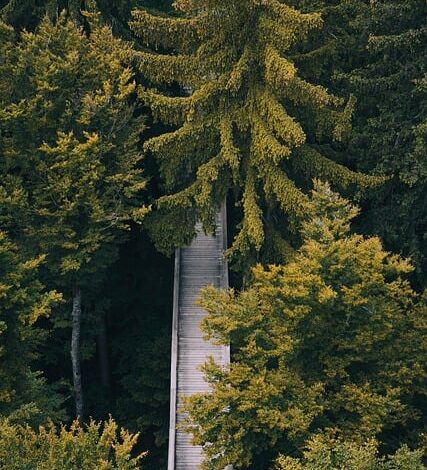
x: 125, y: 122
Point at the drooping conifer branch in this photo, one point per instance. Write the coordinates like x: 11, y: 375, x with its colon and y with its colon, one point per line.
x: 247, y: 114
x: 164, y: 33
x: 311, y: 162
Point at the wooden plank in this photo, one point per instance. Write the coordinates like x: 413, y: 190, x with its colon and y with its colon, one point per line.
x: 200, y: 264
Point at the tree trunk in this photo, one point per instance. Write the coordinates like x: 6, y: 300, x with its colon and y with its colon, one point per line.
x: 74, y: 7
x: 104, y: 366
x: 75, y: 352
x: 52, y: 10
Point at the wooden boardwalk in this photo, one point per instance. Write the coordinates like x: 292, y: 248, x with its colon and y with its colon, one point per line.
x: 200, y: 264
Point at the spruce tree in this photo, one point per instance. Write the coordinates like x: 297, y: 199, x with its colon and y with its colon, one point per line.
x: 250, y: 122
x: 333, y: 341
x: 70, y: 161
x: 377, y: 51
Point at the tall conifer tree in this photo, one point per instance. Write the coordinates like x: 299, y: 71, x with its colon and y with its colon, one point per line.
x: 70, y: 163
x: 250, y: 123
x: 377, y: 51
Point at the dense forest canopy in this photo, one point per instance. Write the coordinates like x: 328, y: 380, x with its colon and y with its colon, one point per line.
x: 122, y: 123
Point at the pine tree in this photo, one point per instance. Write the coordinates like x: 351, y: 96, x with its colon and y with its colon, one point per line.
x: 250, y: 122
x: 69, y: 156
x: 333, y: 340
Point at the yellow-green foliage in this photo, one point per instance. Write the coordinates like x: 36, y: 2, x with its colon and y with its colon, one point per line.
x: 70, y: 166
x: 96, y: 446
x: 23, y: 300
x: 70, y: 174
x: 323, y: 453
x: 335, y: 339
x: 239, y: 126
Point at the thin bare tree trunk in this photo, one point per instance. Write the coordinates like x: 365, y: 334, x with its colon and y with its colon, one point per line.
x: 74, y: 8
x: 75, y: 352
x: 104, y: 366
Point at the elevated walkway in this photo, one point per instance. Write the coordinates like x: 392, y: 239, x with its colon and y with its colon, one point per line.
x: 200, y: 264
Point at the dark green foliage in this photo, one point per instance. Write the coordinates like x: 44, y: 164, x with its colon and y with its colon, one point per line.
x: 377, y: 51
x: 391, y: 121
x: 138, y: 321
x: 116, y: 13
x: 135, y: 299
